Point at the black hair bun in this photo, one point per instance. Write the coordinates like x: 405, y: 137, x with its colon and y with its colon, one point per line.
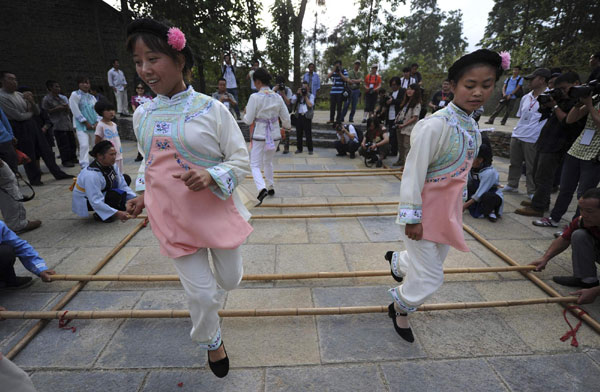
x: 101, y: 148
x: 481, y: 56
x: 159, y: 29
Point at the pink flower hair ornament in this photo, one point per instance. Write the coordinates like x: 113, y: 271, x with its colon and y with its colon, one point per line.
x: 176, y: 39
x: 505, y: 60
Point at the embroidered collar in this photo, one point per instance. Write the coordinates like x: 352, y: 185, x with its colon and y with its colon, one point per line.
x: 177, y: 98
x: 459, y: 111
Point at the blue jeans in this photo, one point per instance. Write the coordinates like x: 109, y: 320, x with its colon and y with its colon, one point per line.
x: 354, y: 98
x: 234, y: 92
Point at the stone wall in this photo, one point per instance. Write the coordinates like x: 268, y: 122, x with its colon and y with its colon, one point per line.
x: 60, y: 39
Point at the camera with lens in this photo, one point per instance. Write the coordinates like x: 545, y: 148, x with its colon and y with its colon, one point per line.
x: 554, y: 94
x: 281, y: 87
x: 304, y: 91
x: 585, y: 90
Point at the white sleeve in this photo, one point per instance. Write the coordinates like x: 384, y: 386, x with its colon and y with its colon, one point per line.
x: 521, y: 103
x: 251, y: 109
x: 110, y: 77
x: 74, y: 106
x: 140, y: 181
x: 284, y: 115
x: 425, y: 140
x: 235, y: 165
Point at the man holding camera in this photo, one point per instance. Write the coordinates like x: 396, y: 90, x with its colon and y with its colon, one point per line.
x: 513, y: 87
x: 228, y: 73
x: 442, y: 98
x: 312, y: 77
x: 526, y: 133
x: 347, y: 140
x: 286, y: 94
x: 555, y: 139
x: 581, y: 168
x: 372, y: 87
x: 355, y: 76
x: 339, y: 77
x: 224, y: 97
x: 304, y: 102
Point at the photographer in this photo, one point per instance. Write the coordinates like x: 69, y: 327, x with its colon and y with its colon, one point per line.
x: 347, y: 140
x: 356, y: 78
x: 372, y: 87
x: 339, y: 76
x: 286, y: 94
x: 526, y: 133
x: 581, y: 167
x: 376, y: 141
x: 304, y: 102
x: 511, y: 90
x: 224, y: 97
x: 555, y: 139
x: 441, y: 98
x: 228, y: 73
x: 393, y: 108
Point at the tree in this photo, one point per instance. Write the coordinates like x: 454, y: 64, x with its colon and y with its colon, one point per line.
x: 544, y: 32
x: 278, y: 42
x: 211, y: 26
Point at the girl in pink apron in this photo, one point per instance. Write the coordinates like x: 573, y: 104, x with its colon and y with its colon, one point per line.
x: 433, y: 186
x: 195, y: 156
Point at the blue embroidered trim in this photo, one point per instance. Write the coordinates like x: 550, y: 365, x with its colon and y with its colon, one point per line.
x: 181, y: 163
x: 395, y: 269
x: 225, y: 179
x: 393, y: 292
x: 409, y: 214
x: 213, y: 344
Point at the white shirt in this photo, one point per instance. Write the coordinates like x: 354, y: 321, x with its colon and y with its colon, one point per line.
x: 229, y: 76
x: 392, y: 109
x: 267, y: 104
x: 529, y: 126
x: 302, y: 107
x: 116, y: 78
x: 352, y: 132
x: 252, y: 86
x: 405, y: 82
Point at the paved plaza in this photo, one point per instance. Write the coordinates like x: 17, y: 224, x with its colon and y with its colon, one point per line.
x: 499, y: 349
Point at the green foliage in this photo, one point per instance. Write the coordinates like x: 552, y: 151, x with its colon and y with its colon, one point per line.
x: 544, y: 32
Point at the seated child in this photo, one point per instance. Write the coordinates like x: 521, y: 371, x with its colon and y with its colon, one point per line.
x: 485, y: 199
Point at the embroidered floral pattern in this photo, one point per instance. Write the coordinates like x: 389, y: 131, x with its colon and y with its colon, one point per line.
x: 150, y: 160
x: 408, y: 214
x: 162, y: 128
x: 163, y: 144
x: 225, y: 180
x: 396, y: 297
x: 395, y: 268
x: 181, y: 163
x: 213, y: 344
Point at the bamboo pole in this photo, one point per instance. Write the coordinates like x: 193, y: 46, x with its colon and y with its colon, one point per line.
x: 331, y: 215
x: 335, y: 171
x: 180, y: 313
x: 341, y: 204
x: 529, y: 275
x: 389, y: 173
x: 71, y: 293
x: 295, y: 276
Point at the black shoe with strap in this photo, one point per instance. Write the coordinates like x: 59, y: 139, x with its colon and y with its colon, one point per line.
x: 405, y: 333
x: 261, y: 196
x: 220, y: 368
x: 388, y: 256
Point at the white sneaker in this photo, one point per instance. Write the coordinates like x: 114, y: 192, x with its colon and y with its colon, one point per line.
x: 510, y: 189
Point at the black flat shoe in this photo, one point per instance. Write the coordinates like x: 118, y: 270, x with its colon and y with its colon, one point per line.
x: 261, y: 196
x: 271, y: 192
x: 221, y: 367
x: 388, y: 257
x: 405, y: 333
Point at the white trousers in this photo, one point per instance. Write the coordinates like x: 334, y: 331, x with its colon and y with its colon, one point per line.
x: 12, y: 210
x: 86, y: 140
x: 200, y: 285
x: 422, y: 266
x: 259, y: 158
x: 13, y: 378
x: 121, y: 98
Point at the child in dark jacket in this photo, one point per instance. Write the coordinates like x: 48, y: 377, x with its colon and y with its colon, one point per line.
x: 485, y: 199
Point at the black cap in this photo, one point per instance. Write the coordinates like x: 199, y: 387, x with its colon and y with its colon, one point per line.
x: 543, y: 72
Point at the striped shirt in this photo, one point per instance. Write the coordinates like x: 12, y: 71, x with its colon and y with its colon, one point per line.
x: 338, y: 82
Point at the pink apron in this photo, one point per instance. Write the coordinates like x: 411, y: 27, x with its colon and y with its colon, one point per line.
x: 182, y: 220
x: 443, y: 200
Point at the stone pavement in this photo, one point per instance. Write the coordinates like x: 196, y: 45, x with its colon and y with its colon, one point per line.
x: 501, y: 349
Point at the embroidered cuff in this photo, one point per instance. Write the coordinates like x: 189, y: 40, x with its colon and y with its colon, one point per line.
x: 140, y: 183
x: 225, y: 180
x: 81, y: 119
x: 409, y: 214
x: 214, y: 343
x: 396, y: 297
x: 395, y: 267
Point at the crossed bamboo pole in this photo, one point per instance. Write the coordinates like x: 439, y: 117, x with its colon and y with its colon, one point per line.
x: 370, y: 174
x: 294, y: 276
x: 340, y: 204
x: 178, y: 313
x: 71, y: 293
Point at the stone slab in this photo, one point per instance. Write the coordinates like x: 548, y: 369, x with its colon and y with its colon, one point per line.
x: 568, y: 372
x: 526, y: 320
x: 148, y: 261
x: 464, y: 333
x: 88, y: 380
x: 468, y: 375
x: 595, y: 355
x: 54, y: 347
x: 310, y: 258
x: 279, y: 231
x: 331, y: 378
x: 363, y: 188
x: 203, y: 380
x: 172, y: 346
x: 381, y: 228
x: 51, y: 233
x: 270, y: 341
x: 458, y: 259
x: 332, y: 230
x: 360, y: 337
x: 366, y: 256
x: 52, y: 257
x: 505, y: 229
x: 320, y: 190
x: 89, y: 233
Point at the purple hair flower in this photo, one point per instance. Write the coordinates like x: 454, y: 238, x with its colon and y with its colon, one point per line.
x: 505, y: 60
